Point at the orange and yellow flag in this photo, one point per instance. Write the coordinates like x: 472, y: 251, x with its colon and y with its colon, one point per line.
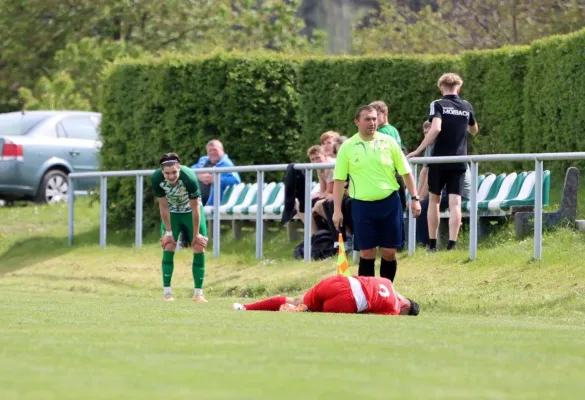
x: 342, y: 265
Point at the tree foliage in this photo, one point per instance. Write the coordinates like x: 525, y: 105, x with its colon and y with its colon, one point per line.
x: 33, y: 32
x: 179, y: 103
x: 451, y: 26
x: 77, y: 80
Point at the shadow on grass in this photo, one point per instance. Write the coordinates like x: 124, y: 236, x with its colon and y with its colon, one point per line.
x: 30, y: 251
x: 26, y: 252
x: 275, y: 245
x: 99, y: 279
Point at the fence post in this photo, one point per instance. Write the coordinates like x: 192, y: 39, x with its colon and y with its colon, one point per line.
x: 473, y: 213
x: 71, y: 201
x: 103, y: 210
x: 411, y: 219
x: 259, y: 214
x: 216, y: 219
x: 139, y: 209
x: 308, y: 217
x: 538, y: 168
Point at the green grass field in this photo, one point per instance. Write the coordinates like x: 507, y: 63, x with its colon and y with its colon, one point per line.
x: 84, y: 322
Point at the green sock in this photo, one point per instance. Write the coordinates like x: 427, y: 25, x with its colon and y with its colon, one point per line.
x: 198, y: 270
x: 168, y: 266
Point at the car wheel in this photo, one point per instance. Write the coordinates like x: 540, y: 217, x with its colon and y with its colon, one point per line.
x: 54, y: 187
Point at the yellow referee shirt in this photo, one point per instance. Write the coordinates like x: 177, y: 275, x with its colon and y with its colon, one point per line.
x: 371, y: 166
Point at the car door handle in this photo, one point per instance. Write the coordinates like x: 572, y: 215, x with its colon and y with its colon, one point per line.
x: 74, y: 153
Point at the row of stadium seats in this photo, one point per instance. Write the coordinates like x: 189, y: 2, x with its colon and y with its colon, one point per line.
x: 500, y: 193
x: 495, y: 194
x: 241, y: 201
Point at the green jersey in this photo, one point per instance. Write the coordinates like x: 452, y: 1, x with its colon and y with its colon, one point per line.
x: 392, y: 132
x: 178, y: 196
x: 371, y: 166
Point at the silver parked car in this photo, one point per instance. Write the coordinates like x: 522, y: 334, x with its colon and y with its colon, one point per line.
x: 39, y: 148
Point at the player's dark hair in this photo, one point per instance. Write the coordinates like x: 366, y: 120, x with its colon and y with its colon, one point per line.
x: 367, y: 107
x: 169, y: 159
x: 414, y: 307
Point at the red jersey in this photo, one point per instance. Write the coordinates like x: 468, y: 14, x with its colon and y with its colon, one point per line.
x: 380, y: 295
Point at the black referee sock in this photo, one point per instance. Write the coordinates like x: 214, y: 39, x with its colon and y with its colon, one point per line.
x: 367, y: 267
x: 388, y: 269
x: 432, y: 244
x: 451, y: 245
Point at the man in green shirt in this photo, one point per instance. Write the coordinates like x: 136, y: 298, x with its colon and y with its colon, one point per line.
x: 371, y: 159
x: 177, y: 190
x: 387, y: 129
x: 383, y: 124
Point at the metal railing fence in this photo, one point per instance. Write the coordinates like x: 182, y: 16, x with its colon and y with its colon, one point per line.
x: 260, y: 170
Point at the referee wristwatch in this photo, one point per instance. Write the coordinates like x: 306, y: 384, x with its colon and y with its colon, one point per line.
x: 416, y: 198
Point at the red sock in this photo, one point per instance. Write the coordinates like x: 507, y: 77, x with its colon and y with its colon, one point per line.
x: 271, y: 304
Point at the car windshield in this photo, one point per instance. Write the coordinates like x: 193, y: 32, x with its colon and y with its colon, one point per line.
x: 16, y: 124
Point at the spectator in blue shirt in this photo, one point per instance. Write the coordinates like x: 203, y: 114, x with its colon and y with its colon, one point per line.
x: 215, y: 157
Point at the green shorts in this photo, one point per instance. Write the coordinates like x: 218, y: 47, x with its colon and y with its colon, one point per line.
x: 183, y: 222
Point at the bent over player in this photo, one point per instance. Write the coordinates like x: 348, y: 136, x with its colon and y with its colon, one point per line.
x: 342, y: 294
x: 178, y: 194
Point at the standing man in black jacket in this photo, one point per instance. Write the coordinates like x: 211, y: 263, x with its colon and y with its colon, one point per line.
x: 451, y: 118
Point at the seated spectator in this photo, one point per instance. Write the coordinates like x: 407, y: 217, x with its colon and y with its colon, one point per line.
x: 422, y: 230
x: 317, y: 155
x: 326, y: 211
x: 328, y: 140
x: 216, y: 157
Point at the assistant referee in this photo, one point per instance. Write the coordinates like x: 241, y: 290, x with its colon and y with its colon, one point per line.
x: 370, y: 159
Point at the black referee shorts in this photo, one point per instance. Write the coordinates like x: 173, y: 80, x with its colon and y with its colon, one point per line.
x: 378, y: 223
x: 440, y: 178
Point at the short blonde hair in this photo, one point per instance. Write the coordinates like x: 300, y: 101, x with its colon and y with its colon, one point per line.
x: 450, y: 80
x: 328, y: 135
x: 380, y: 106
x: 314, y: 150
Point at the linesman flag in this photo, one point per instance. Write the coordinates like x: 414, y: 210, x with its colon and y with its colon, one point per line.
x: 342, y: 265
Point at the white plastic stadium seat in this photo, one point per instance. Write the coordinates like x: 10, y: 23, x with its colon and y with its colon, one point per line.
x: 268, y: 189
x: 233, y: 198
x: 209, y: 209
x: 527, y: 187
x: 484, y: 189
x: 247, y: 200
x: 494, y: 205
x: 278, y: 202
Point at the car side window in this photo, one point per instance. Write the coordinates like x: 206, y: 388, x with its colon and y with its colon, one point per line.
x: 96, y: 120
x: 61, y: 131
x: 77, y: 128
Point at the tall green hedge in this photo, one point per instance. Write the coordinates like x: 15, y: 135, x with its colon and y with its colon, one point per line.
x: 554, y: 96
x: 494, y: 84
x: 333, y: 88
x: 180, y: 103
x: 270, y: 109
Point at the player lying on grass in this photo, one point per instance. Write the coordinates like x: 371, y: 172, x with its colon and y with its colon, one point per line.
x: 178, y: 194
x: 341, y: 294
